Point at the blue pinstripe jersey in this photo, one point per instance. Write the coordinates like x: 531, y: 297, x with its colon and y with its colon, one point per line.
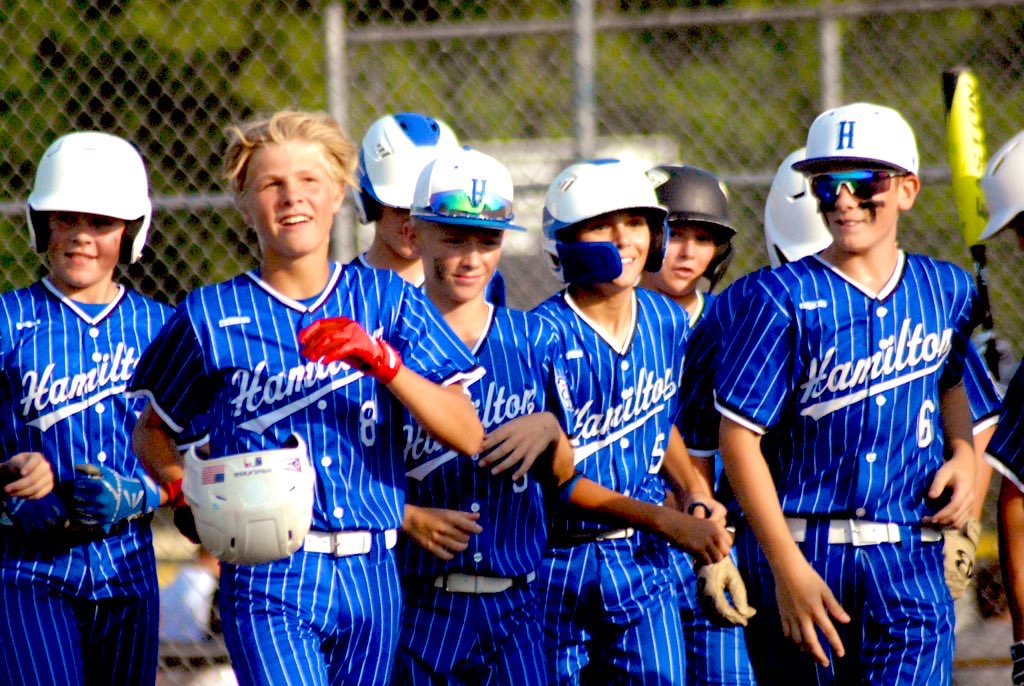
x: 698, y: 419
x: 525, y: 362
x: 985, y: 398
x: 231, y: 351
x: 1006, y: 448
x: 63, y: 375
x: 848, y: 383
x: 495, y: 293
x: 624, y: 400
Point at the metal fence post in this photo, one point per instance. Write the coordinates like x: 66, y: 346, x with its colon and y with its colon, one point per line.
x: 343, y: 235
x: 583, y: 35
x: 828, y: 45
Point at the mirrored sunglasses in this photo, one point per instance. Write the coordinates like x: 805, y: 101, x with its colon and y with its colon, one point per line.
x: 863, y: 184
x: 457, y: 203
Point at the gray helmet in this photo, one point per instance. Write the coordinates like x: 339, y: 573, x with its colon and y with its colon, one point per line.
x: 698, y: 197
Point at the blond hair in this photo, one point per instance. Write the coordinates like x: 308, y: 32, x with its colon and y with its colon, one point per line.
x: 286, y: 126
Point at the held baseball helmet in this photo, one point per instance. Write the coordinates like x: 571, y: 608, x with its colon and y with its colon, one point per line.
x: 253, y: 507
x: 793, y: 227
x: 95, y: 173
x: 1003, y: 185
x: 394, y: 151
x: 589, y: 189
x: 694, y: 196
x: 861, y: 135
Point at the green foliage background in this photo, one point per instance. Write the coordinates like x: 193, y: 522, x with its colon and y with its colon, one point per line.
x: 737, y: 95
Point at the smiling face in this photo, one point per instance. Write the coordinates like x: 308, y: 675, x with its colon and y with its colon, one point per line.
x: 83, y: 252
x: 290, y: 199
x: 458, y: 261
x: 691, y: 248
x: 629, y: 232
x: 859, y: 226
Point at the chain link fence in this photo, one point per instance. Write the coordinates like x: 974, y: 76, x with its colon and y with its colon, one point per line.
x: 730, y: 86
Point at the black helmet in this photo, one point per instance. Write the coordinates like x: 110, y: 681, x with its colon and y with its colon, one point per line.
x: 699, y: 197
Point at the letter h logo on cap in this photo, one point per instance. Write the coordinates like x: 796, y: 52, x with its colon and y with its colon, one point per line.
x: 844, y: 141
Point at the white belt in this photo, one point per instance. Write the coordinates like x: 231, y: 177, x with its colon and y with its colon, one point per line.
x: 470, y: 583
x: 859, y: 531
x: 345, y: 543
x: 615, y: 533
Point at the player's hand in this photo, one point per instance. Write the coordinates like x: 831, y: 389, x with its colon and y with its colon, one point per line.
x: 951, y: 494
x: 340, y: 338
x: 713, y: 583
x: 34, y: 516
x: 518, y: 443
x: 704, y: 506
x: 26, y: 475
x: 438, y: 531
x: 807, y: 605
x: 102, y: 497
x: 960, y: 546
x: 706, y: 540
x: 185, y: 523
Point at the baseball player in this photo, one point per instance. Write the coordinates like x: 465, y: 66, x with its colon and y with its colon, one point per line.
x: 472, y: 612
x: 609, y: 600
x: 78, y: 585
x: 700, y: 248
x: 394, y: 151
x: 846, y: 430
x: 1003, y: 185
x: 302, y: 346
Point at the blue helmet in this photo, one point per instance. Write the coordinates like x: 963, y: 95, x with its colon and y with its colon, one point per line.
x: 394, y: 151
x: 589, y: 189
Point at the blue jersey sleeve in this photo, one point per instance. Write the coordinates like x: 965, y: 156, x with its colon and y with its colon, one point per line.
x: 756, y: 367
x: 1006, y: 448
x: 171, y: 374
x: 981, y: 390
x: 427, y: 344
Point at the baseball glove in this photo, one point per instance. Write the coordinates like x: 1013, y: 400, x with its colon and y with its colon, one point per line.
x: 961, y: 546
x: 713, y: 582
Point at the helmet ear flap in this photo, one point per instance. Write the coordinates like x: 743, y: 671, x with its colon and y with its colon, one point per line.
x: 367, y: 208
x: 39, y: 229
x: 133, y: 240
x: 659, y: 244
x: 719, y: 264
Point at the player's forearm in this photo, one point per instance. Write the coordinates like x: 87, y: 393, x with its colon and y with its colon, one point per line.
x: 983, y: 470
x: 956, y: 420
x: 590, y: 495
x: 680, y: 470
x: 447, y: 413
x: 1011, y: 552
x: 154, y: 443
x: 754, y: 488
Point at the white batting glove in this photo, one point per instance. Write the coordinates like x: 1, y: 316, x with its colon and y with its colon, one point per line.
x: 960, y: 546
x: 713, y: 582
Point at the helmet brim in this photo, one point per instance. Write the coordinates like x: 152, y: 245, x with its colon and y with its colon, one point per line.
x: 823, y: 165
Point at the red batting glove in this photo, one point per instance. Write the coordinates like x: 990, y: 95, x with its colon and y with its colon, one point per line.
x: 340, y: 338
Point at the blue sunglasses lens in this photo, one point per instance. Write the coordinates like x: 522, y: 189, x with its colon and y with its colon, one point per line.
x: 864, y: 184
x: 458, y: 204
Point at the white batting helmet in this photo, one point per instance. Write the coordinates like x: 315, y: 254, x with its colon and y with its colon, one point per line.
x: 1003, y: 185
x: 96, y: 173
x: 252, y: 508
x: 394, y: 151
x: 589, y: 189
x: 793, y: 226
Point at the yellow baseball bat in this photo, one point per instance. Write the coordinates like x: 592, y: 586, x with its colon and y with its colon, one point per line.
x: 965, y: 140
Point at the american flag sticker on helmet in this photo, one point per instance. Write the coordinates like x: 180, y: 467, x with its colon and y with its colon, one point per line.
x: 213, y: 475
